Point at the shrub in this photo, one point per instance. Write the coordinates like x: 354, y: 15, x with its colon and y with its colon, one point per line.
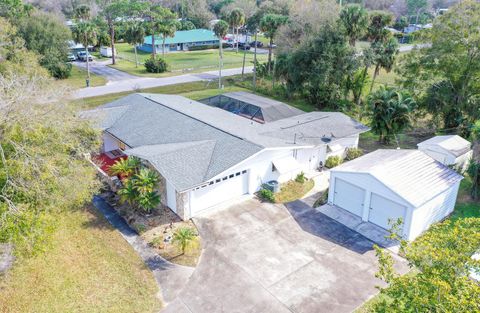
x: 267, y: 195
x: 155, y: 65
x: 353, y: 153
x: 140, y: 228
x: 59, y: 69
x: 183, y: 237
x: 300, y: 178
x: 322, y: 200
x: 333, y: 161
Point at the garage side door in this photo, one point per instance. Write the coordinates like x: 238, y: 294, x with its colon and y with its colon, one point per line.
x: 383, y: 209
x: 349, y: 197
x: 210, y: 195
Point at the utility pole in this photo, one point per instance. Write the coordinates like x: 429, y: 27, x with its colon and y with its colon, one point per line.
x: 255, y: 62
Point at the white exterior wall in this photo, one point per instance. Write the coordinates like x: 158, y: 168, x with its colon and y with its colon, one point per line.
x: 433, y: 211
x: 109, y: 142
x: 370, y: 184
x: 347, y: 142
x: 462, y: 161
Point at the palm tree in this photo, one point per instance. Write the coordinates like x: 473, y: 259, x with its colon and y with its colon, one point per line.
x: 157, y: 15
x: 269, y: 24
x: 86, y: 34
x: 354, y: 19
x: 389, y: 112
x: 385, y: 54
x: 236, y: 19
x: 220, y: 29
x: 134, y: 35
x: 145, y: 181
x: 183, y: 237
x: 128, y: 193
x: 148, y: 201
x: 167, y: 28
x: 125, y: 167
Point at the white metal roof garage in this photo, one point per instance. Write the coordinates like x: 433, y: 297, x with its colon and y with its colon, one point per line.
x: 389, y: 184
x: 448, y: 150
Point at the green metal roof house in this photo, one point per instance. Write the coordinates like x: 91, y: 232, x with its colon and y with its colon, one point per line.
x: 182, y: 41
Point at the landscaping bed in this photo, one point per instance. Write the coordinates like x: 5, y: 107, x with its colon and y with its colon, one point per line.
x: 158, y: 229
x: 289, y: 191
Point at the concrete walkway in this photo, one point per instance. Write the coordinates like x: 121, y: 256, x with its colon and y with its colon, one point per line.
x: 170, y: 277
x: 148, y: 82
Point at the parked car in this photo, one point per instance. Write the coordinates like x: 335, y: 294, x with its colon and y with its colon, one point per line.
x: 82, y: 56
x: 273, y: 46
x: 71, y: 57
x: 243, y: 46
x: 258, y: 44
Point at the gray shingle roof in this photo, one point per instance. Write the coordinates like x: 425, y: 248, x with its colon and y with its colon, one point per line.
x: 190, y: 142
x: 412, y: 174
x: 185, y: 150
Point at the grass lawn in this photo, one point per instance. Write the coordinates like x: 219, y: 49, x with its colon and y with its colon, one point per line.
x: 195, y: 91
x: 293, y: 190
x: 180, y: 62
x: 77, y: 79
x: 89, y: 268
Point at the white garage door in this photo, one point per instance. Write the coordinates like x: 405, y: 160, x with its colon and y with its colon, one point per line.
x: 349, y: 197
x: 229, y: 187
x: 383, y: 209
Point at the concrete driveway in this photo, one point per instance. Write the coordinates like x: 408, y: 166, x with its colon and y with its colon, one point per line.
x: 273, y: 258
x: 101, y: 68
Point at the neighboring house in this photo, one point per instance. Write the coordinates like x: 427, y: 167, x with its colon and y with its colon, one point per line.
x: 183, y: 40
x: 391, y: 184
x: 448, y: 150
x: 206, y: 155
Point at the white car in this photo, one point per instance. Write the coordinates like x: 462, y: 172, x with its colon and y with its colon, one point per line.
x: 82, y: 56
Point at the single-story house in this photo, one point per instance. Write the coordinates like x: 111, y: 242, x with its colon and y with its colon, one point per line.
x: 183, y: 40
x: 206, y: 155
x: 448, y: 150
x: 386, y: 185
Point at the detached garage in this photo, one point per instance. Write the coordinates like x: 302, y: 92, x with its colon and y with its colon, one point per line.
x: 387, y: 185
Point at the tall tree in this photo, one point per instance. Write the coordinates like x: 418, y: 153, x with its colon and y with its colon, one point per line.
x: 415, y: 8
x: 42, y: 147
x: 220, y: 29
x: 135, y: 35
x: 113, y: 12
x: 236, y: 19
x: 385, y: 54
x: 354, y: 19
x: 85, y: 32
x: 156, y: 16
x: 167, y: 28
x: 389, y: 112
x: 45, y: 34
x: 320, y: 68
x: 270, y: 24
x: 444, y: 76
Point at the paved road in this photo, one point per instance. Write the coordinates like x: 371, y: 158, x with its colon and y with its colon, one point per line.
x: 278, y: 259
x: 143, y: 83
x: 101, y: 68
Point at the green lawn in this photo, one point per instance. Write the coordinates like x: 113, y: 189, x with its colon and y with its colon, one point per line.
x: 89, y: 268
x: 78, y: 76
x: 180, y: 62
x: 77, y: 79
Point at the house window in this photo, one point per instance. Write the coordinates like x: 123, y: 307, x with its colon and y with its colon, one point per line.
x: 231, y: 176
x: 244, y: 171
